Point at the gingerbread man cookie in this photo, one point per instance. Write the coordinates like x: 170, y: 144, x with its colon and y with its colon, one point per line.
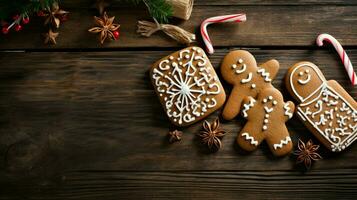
x: 240, y: 69
x: 187, y: 86
x: 266, y: 116
x: 327, y: 110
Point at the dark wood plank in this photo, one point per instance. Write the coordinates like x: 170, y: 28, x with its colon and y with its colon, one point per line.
x: 266, y: 26
x: 119, y: 3
x: 98, y: 111
x: 339, y: 184
x: 88, y: 125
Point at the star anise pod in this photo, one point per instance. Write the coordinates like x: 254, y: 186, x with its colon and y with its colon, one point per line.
x: 50, y: 37
x: 212, y: 134
x: 106, y: 28
x: 175, y: 136
x: 307, y: 153
x: 54, y: 14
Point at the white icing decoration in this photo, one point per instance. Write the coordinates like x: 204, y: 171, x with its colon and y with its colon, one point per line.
x: 250, y: 138
x: 248, y: 106
x: 341, y: 121
x: 268, y: 110
x: 239, y: 71
x: 264, y: 74
x: 337, y: 128
x: 287, y: 111
x: 189, y: 85
x: 253, y: 86
x: 308, y: 78
x: 291, y: 80
x: 282, y: 143
x: 322, y: 120
x: 319, y: 106
x: 240, y: 60
x: 248, y: 79
x: 343, y: 131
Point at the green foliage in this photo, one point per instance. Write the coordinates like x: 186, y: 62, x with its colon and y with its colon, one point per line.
x: 158, y: 9
x: 9, y: 8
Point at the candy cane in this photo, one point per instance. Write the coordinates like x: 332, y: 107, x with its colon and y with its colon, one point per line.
x: 218, y: 19
x: 343, y: 55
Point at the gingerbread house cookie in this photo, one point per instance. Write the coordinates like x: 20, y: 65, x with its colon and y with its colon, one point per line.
x: 328, y: 111
x: 187, y: 86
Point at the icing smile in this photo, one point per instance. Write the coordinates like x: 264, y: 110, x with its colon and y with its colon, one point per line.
x: 308, y: 77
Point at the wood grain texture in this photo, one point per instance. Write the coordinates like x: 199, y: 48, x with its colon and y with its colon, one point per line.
x: 87, y: 125
x: 271, y: 25
x: 119, y: 3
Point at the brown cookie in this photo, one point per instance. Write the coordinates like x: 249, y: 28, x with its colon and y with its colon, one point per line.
x: 240, y: 69
x: 187, y: 86
x: 266, y: 117
x: 325, y: 107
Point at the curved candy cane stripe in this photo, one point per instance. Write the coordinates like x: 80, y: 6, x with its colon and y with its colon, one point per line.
x: 218, y: 19
x: 343, y: 55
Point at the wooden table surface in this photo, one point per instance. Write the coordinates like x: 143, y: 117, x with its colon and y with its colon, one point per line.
x: 81, y: 121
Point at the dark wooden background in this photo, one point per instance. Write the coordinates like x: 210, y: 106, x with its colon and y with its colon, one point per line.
x: 81, y: 121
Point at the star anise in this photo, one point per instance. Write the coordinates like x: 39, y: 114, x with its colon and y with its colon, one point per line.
x: 106, y: 28
x: 175, y: 136
x: 212, y: 134
x: 50, y: 37
x: 307, y: 153
x: 54, y: 15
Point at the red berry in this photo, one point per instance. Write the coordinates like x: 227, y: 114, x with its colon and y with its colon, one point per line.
x: 5, y: 30
x: 116, y: 34
x: 26, y: 20
x: 18, y: 27
x: 40, y: 13
x: 15, y: 17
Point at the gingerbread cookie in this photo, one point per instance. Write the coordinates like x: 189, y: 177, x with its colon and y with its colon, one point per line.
x: 240, y: 69
x: 266, y: 116
x: 187, y: 86
x: 325, y: 107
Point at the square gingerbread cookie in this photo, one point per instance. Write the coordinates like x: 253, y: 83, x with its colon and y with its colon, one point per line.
x: 187, y: 86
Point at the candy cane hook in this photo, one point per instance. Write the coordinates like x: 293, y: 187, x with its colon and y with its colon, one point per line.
x: 218, y: 19
x: 343, y: 55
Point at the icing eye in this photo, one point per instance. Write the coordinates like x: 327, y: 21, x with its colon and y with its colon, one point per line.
x: 265, y: 100
x: 270, y: 97
x: 275, y: 102
x: 307, y: 71
x: 234, y: 66
x: 301, y: 73
x: 240, y: 61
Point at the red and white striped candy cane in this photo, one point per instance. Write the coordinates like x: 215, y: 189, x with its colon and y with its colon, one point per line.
x: 343, y: 55
x: 218, y: 19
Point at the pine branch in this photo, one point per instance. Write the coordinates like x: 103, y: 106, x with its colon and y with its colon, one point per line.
x: 9, y: 8
x: 158, y: 9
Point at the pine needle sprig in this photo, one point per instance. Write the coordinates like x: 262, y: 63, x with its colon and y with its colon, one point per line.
x: 8, y: 8
x: 159, y: 9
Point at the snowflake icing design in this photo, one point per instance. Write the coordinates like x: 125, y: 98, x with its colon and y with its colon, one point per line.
x: 186, y: 85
